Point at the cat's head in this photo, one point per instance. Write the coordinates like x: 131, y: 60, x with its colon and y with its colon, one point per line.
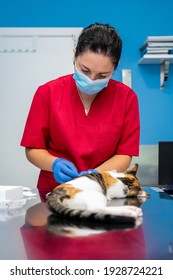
x: 131, y: 183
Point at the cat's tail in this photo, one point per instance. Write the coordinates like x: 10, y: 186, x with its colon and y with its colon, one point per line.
x: 105, y: 216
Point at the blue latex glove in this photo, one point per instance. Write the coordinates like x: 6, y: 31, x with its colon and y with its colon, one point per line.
x: 89, y: 171
x: 64, y: 170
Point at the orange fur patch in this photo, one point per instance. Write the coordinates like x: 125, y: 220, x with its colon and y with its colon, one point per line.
x: 108, y: 179
x: 70, y: 190
x: 135, y: 180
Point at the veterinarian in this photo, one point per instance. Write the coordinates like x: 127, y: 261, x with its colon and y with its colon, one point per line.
x: 86, y: 121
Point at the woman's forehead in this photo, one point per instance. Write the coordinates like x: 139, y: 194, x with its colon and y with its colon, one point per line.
x: 95, y: 62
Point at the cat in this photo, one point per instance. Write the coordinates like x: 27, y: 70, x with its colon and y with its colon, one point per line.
x: 86, y: 198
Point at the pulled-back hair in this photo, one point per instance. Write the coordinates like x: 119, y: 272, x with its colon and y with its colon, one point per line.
x: 101, y: 39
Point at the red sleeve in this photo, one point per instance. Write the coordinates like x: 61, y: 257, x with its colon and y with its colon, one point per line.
x: 36, y: 131
x: 130, y: 136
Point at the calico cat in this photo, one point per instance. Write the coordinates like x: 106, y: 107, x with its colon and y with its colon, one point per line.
x: 85, y: 198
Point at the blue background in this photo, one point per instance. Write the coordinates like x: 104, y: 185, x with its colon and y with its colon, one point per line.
x: 134, y: 20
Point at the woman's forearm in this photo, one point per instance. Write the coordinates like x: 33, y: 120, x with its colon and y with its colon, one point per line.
x: 117, y: 162
x: 43, y: 159
x: 40, y: 158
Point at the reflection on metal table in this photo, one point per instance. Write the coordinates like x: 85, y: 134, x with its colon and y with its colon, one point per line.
x: 33, y: 233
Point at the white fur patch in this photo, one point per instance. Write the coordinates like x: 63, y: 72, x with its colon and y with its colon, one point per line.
x: 115, y: 174
x: 118, y: 190
x: 90, y: 200
x: 85, y: 184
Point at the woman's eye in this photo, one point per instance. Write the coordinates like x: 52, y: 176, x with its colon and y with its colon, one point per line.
x: 85, y: 71
x: 101, y: 77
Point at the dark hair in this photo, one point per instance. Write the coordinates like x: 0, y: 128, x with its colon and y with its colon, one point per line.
x: 100, y: 38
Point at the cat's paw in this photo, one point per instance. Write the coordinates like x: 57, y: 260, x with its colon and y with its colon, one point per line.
x: 138, y: 221
x: 135, y: 210
x: 129, y: 211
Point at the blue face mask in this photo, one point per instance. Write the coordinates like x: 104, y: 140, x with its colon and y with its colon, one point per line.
x: 88, y: 86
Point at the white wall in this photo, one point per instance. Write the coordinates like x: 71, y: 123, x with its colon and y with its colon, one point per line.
x: 28, y: 57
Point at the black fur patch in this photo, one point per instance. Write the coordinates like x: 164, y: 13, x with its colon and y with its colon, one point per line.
x: 99, y: 179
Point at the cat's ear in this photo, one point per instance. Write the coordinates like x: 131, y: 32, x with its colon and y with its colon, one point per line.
x: 132, y: 169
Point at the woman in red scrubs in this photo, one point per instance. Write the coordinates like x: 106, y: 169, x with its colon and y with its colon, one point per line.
x: 86, y: 121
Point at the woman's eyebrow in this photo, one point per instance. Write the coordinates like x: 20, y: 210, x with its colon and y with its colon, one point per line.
x: 86, y: 68
x: 83, y: 66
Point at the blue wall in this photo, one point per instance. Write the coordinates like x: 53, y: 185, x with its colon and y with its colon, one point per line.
x: 135, y: 20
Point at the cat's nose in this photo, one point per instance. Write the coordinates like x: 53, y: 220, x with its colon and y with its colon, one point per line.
x: 126, y: 190
x: 142, y: 193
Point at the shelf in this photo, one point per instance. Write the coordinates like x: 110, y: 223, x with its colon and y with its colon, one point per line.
x: 164, y: 60
x: 155, y: 58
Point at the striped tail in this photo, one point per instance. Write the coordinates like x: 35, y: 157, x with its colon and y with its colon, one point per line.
x: 56, y: 206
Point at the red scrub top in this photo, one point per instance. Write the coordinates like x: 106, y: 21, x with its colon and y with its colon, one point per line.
x: 57, y: 122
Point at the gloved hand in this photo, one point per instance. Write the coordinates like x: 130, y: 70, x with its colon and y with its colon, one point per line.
x: 89, y: 171
x: 64, y: 170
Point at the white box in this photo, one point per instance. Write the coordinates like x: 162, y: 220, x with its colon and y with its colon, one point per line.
x: 11, y: 193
